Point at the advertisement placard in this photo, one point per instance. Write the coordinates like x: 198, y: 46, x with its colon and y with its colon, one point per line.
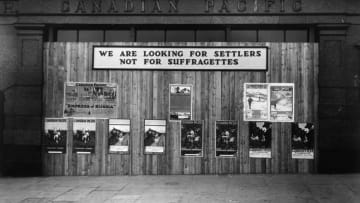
x: 84, y: 136
x: 226, y: 139
x: 302, y: 141
x: 180, y: 106
x: 55, y: 135
x: 119, y: 135
x: 260, y: 140
x: 191, y: 138
x: 154, y: 138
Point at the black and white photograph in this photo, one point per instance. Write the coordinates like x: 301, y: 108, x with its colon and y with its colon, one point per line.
x: 191, y: 138
x: 154, y: 137
x: 260, y: 139
x: 55, y: 135
x: 302, y: 140
x: 119, y: 135
x: 226, y: 139
x: 180, y: 101
x: 84, y: 136
x: 180, y: 107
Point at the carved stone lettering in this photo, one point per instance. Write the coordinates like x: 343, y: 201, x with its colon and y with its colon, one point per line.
x: 224, y: 6
x: 113, y: 7
x: 241, y: 5
x: 156, y: 7
x: 129, y: 6
x: 173, y: 6
x: 81, y: 7
x: 65, y: 6
x: 209, y: 5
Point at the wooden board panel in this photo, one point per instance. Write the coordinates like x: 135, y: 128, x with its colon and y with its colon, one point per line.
x: 217, y: 95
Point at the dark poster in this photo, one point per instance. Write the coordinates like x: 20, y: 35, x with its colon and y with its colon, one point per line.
x: 84, y: 136
x: 54, y: 139
x: 86, y: 99
x: 191, y: 138
x: 119, y: 135
x: 180, y: 102
x: 154, y: 138
x: 226, y: 138
x: 302, y: 141
x: 260, y: 140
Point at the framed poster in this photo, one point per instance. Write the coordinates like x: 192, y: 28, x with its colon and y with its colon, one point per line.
x: 84, y: 136
x: 180, y: 106
x: 55, y: 134
x: 302, y: 141
x: 260, y: 140
x: 282, y: 102
x: 154, y: 138
x: 87, y: 99
x: 119, y: 135
x: 226, y: 138
x: 256, y: 102
x: 191, y: 138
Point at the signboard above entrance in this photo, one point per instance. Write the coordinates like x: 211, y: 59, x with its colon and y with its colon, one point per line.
x: 180, y: 57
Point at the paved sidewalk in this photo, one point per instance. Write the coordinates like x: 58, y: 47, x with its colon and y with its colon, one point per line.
x: 173, y: 189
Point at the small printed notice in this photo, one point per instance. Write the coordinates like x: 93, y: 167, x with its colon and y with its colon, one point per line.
x: 180, y: 102
x: 119, y: 135
x: 180, y: 57
x: 226, y: 138
x: 154, y: 138
x: 54, y: 138
x: 84, y: 99
x: 260, y: 140
x: 302, y: 141
x: 282, y: 102
x: 191, y: 138
x: 84, y: 137
x: 256, y: 102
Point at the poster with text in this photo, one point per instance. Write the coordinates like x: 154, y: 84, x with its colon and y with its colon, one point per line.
x: 180, y: 106
x: 55, y: 134
x: 84, y: 136
x: 256, y: 102
x: 282, y: 102
x: 86, y: 99
x: 226, y: 138
x: 119, y: 135
x: 302, y: 141
x: 154, y: 138
x: 260, y: 140
x: 191, y: 138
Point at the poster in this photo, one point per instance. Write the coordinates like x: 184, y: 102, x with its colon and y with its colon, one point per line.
x: 180, y: 102
x: 260, y: 140
x: 226, y: 138
x: 302, y: 141
x: 85, y: 99
x: 282, y: 102
x: 256, y: 102
x: 119, y: 135
x: 154, y: 138
x: 84, y: 136
x: 191, y: 138
x: 55, y: 135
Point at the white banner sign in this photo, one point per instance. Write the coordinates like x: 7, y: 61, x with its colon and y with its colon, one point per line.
x: 174, y: 58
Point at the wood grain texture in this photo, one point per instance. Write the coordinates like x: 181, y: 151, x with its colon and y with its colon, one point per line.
x: 217, y: 95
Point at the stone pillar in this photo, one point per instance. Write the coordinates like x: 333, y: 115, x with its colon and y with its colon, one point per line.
x: 23, y: 106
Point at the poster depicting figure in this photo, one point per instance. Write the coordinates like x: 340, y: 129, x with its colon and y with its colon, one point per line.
x: 302, y: 141
x: 226, y: 138
x: 119, y: 135
x: 191, y: 138
x: 86, y: 99
x: 260, y: 140
x: 256, y: 102
x: 180, y: 106
x: 154, y: 138
x: 54, y: 138
x: 84, y: 136
x: 282, y: 102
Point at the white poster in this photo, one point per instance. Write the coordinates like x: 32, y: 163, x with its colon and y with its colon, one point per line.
x: 154, y: 138
x: 119, y: 135
x: 282, y: 102
x: 256, y: 102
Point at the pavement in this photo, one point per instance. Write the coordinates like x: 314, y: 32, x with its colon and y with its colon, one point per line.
x: 183, y: 188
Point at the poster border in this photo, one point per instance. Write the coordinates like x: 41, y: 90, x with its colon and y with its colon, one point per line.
x: 202, y: 138
x: 293, y: 102
x: 237, y: 140
x: 67, y: 135
x: 268, y: 100
x: 75, y: 117
x: 72, y: 134
x: 130, y: 137
x: 143, y: 138
x: 191, y: 103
